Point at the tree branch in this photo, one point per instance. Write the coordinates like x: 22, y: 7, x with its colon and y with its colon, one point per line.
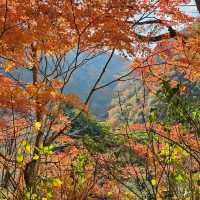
x: 156, y: 21
x: 172, y: 33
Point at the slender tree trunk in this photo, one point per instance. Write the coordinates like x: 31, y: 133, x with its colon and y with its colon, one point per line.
x: 30, y: 174
x: 32, y: 168
x: 198, y: 5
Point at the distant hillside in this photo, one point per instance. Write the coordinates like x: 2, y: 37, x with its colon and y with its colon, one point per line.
x: 84, y: 78
x: 126, y: 105
x: 128, y: 100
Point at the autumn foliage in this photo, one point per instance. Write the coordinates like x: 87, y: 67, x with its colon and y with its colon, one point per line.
x: 44, y: 154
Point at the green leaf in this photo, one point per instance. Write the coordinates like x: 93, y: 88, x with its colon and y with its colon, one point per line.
x: 28, y: 195
x: 49, y: 194
x: 109, y: 194
x: 48, y: 149
x: 179, y: 178
x: 153, y: 115
x: 19, y: 157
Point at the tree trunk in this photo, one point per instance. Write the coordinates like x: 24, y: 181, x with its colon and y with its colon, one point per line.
x: 31, y: 169
x: 198, y: 5
x: 30, y: 174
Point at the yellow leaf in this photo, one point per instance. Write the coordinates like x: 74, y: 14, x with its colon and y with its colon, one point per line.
x: 109, y: 193
x: 8, y: 68
x: 57, y: 182
x: 37, y: 126
x: 28, y: 148
x: 153, y: 182
x: 24, y: 142
x: 35, y: 157
x: 40, y: 145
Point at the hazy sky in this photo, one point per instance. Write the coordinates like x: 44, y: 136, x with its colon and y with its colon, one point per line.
x: 190, y: 9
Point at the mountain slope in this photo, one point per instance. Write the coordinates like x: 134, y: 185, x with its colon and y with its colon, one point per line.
x: 84, y: 78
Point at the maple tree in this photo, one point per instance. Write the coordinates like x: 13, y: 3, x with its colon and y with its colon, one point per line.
x: 170, y: 149
x: 36, y: 33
